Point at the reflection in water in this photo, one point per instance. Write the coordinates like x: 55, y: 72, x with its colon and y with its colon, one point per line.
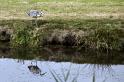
x: 61, y: 65
x: 87, y: 73
x: 35, y: 70
x: 104, y: 69
x: 67, y: 55
x: 65, y: 75
x: 59, y: 72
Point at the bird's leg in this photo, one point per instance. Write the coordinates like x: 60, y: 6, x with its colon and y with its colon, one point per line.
x: 33, y: 22
x: 36, y: 22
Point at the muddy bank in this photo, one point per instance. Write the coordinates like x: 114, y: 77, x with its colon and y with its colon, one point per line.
x: 92, y: 34
x: 5, y: 34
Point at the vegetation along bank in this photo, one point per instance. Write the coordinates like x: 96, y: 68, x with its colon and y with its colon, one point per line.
x: 81, y: 33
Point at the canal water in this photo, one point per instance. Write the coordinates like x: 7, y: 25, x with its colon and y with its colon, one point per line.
x: 60, y: 65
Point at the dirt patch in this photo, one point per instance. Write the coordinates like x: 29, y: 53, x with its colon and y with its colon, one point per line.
x: 5, y: 34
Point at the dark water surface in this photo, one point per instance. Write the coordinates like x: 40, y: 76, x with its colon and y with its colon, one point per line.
x: 60, y: 65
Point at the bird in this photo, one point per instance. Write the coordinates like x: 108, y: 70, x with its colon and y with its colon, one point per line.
x: 35, y: 70
x: 35, y: 13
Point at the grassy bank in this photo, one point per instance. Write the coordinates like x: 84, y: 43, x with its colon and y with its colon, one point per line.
x: 96, y: 24
x: 95, y: 34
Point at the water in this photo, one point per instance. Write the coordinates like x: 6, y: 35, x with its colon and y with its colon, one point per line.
x: 60, y: 65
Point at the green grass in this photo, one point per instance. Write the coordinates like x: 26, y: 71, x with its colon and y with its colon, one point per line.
x: 64, y: 9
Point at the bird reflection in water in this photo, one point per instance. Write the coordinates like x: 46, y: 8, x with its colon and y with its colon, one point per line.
x: 35, y: 70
